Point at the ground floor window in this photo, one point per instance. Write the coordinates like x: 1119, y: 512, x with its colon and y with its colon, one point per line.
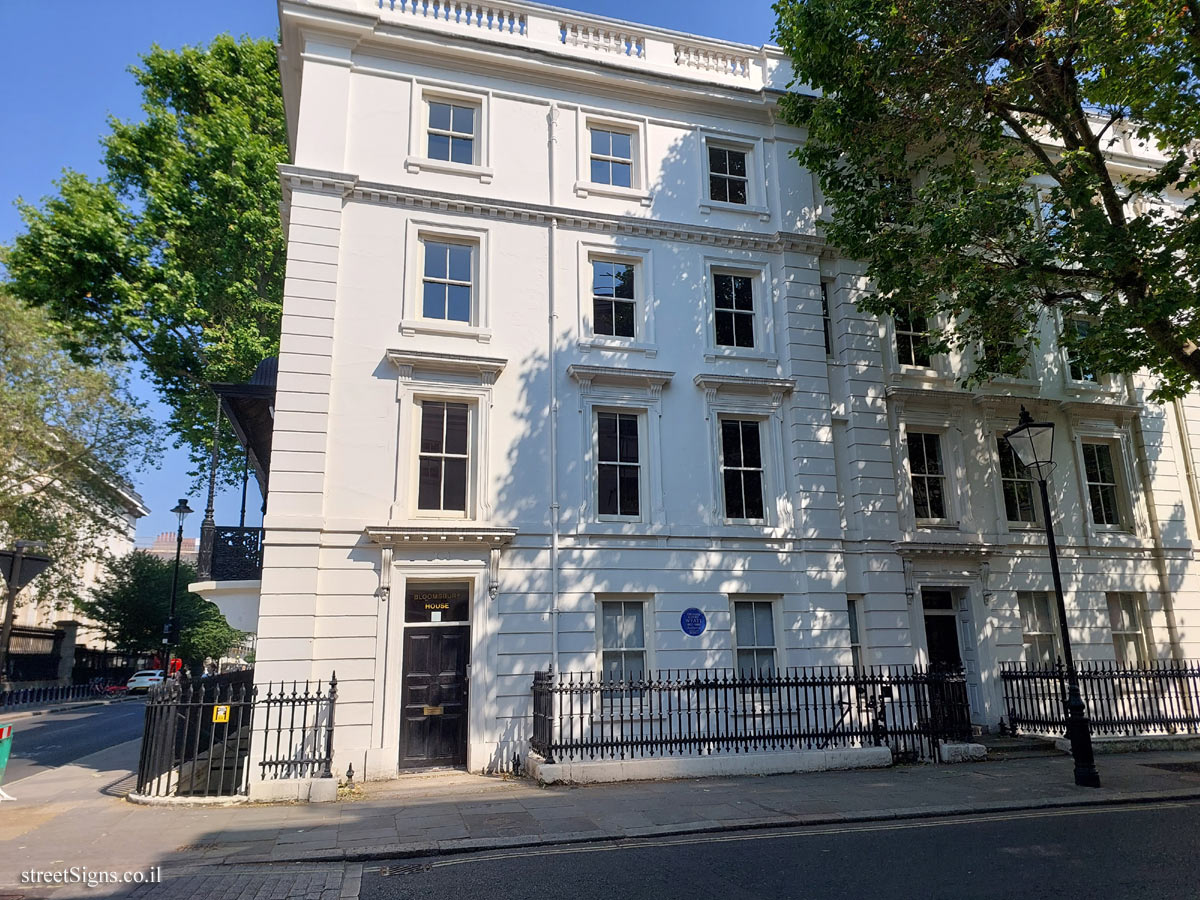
x: 754, y: 631
x: 623, y: 640
x: 1037, y: 628
x: 1124, y: 613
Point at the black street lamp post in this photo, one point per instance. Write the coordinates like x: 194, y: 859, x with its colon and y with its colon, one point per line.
x: 171, y: 629
x: 1033, y: 444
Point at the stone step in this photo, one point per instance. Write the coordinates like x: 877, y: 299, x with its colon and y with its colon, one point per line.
x: 1001, y: 747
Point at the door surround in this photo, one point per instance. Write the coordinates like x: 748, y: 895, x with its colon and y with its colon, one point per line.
x: 384, y: 757
x: 968, y: 588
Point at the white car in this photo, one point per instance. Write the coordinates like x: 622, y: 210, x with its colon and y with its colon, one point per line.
x: 145, y: 679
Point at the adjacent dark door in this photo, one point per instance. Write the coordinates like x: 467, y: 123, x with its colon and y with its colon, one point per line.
x: 941, y: 630
x: 433, y: 731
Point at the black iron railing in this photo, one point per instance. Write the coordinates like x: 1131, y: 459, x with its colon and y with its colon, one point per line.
x: 1152, y: 698
x: 701, y: 712
x: 296, y: 731
x: 63, y: 693
x: 201, y: 739
x: 230, y: 554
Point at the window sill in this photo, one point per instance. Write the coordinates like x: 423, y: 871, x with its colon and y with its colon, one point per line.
x: 1117, y: 531
x: 938, y: 524
x: 427, y: 517
x: 411, y: 327
x: 746, y: 354
x: 1011, y: 381
x: 602, y: 342
x: 921, y: 372
x: 1089, y: 389
x: 746, y: 209
x: 418, y: 164
x: 1023, y: 527
x: 585, y: 189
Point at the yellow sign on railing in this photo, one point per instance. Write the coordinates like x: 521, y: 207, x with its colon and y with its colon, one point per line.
x: 220, y: 714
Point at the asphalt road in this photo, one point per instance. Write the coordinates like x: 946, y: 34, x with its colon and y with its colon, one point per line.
x: 56, y: 738
x: 1106, y: 852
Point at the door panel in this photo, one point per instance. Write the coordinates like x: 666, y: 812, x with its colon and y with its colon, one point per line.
x: 433, y: 730
x: 970, y: 658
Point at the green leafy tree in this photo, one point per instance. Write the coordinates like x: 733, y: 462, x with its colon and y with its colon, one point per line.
x: 975, y: 157
x: 133, y: 602
x: 176, y: 257
x: 69, y: 437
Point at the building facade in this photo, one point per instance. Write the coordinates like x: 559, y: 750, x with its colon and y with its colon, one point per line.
x: 56, y: 642
x: 564, y: 356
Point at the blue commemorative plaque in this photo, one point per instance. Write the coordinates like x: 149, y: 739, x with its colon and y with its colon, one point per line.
x: 693, y: 622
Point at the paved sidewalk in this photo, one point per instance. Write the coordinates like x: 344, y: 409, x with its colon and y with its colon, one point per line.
x: 75, y: 816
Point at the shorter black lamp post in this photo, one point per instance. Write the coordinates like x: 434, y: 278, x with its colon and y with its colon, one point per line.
x: 171, y: 630
x: 1033, y: 444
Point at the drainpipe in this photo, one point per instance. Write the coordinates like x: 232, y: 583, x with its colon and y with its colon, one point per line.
x: 1189, y: 467
x: 552, y: 330
x: 1160, y: 561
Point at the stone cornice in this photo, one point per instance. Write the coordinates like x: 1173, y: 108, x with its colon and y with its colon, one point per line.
x: 1099, y: 409
x: 355, y: 189
x: 944, y: 549
x: 622, y: 376
x: 408, y: 536
x: 743, y: 384
x: 486, y: 367
x: 317, y: 180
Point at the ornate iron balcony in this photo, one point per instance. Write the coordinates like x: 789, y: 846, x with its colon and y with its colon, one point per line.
x: 230, y: 554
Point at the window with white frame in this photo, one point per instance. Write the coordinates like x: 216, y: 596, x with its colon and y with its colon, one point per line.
x: 728, y: 174
x: 1002, y: 359
x: 623, y: 640
x: 928, y: 473
x: 912, y: 337
x: 1020, y: 505
x: 447, y: 280
x: 826, y: 323
x: 1075, y: 367
x: 742, y: 468
x: 443, y: 457
x: 451, y: 131
x: 733, y: 309
x: 1100, y: 475
x: 618, y: 465
x: 1124, y: 614
x: 754, y: 631
x: 1037, y: 628
x: 614, y: 300
x: 853, y: 611
x: 611, y: 157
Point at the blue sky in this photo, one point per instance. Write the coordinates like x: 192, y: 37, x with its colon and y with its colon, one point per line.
x: 55, y: 106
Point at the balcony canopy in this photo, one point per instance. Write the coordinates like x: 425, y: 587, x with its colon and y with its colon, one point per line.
x: 250, y: 408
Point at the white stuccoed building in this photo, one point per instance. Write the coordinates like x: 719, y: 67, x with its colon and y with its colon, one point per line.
x: 565, y: 355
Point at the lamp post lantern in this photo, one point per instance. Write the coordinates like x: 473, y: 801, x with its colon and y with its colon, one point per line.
x: 171, y: 629
x: 1033, y: 444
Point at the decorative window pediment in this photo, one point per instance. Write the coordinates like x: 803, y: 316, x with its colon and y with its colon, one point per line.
x: 621, y: 377
x: 418, y: 365
x: 773, y: 389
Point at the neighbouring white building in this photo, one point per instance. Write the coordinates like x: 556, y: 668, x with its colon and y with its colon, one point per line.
x: 565, y: 355
x: 55, y: 642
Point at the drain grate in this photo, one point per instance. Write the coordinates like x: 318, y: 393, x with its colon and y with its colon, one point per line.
x: 412, y: 869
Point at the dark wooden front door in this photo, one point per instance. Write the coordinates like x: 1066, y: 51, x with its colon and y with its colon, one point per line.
x: 433, y: 731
